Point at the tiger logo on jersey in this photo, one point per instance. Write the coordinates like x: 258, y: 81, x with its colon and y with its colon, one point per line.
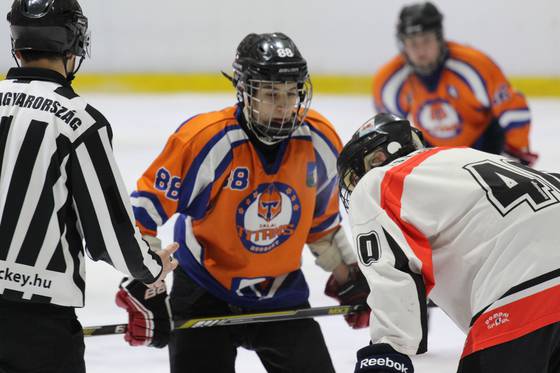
x: 440, y: 119
x: 270, y: 204
x: 267, y: 217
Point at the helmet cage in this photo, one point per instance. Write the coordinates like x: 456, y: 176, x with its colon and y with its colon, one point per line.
x: 273, y: 117
x: 267, y: 71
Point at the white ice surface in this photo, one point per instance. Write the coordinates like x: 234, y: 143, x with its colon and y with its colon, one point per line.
x: 141, y: 125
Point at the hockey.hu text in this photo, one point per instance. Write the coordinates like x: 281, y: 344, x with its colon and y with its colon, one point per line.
x: 23, y: 279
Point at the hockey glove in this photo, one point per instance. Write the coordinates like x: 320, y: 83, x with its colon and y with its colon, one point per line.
x: 149, y: 315
x: 352, y: 292
x: 524, y: 156
x: 382, y: 358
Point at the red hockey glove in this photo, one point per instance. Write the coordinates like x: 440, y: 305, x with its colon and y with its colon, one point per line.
x: 523, y: 156
x: 354, y: 291
x: 149, y: 315
x: 382, y: 358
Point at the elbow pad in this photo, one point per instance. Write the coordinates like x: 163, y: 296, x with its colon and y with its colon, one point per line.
x: 332, y: 250
x: 153, y: 242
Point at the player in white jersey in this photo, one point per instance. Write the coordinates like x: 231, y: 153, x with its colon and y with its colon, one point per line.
x: 476, y: 232
x: 59, y: 186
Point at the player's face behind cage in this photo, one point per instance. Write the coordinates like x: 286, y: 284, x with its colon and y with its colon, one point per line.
x: 274, y: 109
x: 371, y: 160
x: 423, y: 50
x: 350, y: 176
x: 380, y: 140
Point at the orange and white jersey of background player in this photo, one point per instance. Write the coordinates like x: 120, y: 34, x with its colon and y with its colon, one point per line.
x: 456, y: 109
x: 243, y: 221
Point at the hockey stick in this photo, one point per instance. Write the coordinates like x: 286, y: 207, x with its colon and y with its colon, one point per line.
x: 249, y: 318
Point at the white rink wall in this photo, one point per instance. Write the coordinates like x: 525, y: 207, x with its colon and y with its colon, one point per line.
x: 337, y: 37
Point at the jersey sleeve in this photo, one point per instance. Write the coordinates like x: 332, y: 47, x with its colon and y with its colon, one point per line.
x: 509, y: 107
x: 394, y: 272
x: 103, y: 208
x: 377, y: 86
x: 388, y: 88
x: 156, y: 197
x: 326, y: 216
x: 182, y: 177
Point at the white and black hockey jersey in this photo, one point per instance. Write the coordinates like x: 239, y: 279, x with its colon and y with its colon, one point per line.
x: 476, y: 232
x: 59, y: 184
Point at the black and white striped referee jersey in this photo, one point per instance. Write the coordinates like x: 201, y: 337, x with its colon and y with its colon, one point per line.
x: 59, y: 185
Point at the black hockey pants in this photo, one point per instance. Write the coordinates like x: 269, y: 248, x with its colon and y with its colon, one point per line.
x: 40, y: 338
x: 283, y: 347
x: 536, y: 352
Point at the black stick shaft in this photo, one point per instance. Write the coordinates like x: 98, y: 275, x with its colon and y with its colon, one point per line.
x: 251, y: 318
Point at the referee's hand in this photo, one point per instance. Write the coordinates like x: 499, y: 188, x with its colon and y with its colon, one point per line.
x: 169, y: 264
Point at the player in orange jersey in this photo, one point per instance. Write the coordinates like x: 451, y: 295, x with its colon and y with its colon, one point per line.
x: 252, y: 184
x: 455, y: 94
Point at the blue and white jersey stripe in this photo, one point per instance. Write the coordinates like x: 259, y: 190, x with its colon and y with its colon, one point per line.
x: 391, y: 91
x: 148, y: 210
x: 472, y: 78
x: 326, y: 155
x: 203, y: 170
x: 514, y: 118
x: 330, y: 223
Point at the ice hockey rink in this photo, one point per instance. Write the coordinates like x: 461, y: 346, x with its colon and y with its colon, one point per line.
x: 141, y: 125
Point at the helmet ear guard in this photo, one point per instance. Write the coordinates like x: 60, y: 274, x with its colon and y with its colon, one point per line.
x: 381, y: 140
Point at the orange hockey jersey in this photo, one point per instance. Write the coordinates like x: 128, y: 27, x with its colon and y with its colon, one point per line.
x: 466, y: 95
x: 243, y: 221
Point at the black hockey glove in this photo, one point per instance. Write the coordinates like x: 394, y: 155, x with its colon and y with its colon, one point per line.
x: 352, y: 292
x: 382, y: 358
x: 149, y: 315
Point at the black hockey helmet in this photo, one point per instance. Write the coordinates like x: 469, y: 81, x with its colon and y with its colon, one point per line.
x: 271, y: 60
x: 379, y: 141
x: 269, y: 57
x: 419, y: 17
x: 52, y: 26
x: 56, y: 26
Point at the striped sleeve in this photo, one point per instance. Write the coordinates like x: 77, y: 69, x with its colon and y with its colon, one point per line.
x: 494, y: 92
x: 326, y: 216
x: 156, y: 197
x: 388, y: 88
x: 394, y: 272
x: 103, y: 208
x: 511, y: 109
x: 182, y: 177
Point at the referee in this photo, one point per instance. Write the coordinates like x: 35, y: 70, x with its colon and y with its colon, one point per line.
x: 59, y: 186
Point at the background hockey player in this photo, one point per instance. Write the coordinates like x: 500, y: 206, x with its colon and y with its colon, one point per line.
x: 476, y: 232
x: 252, y: 183
x: 454, y: 93
x: 59, y: 184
